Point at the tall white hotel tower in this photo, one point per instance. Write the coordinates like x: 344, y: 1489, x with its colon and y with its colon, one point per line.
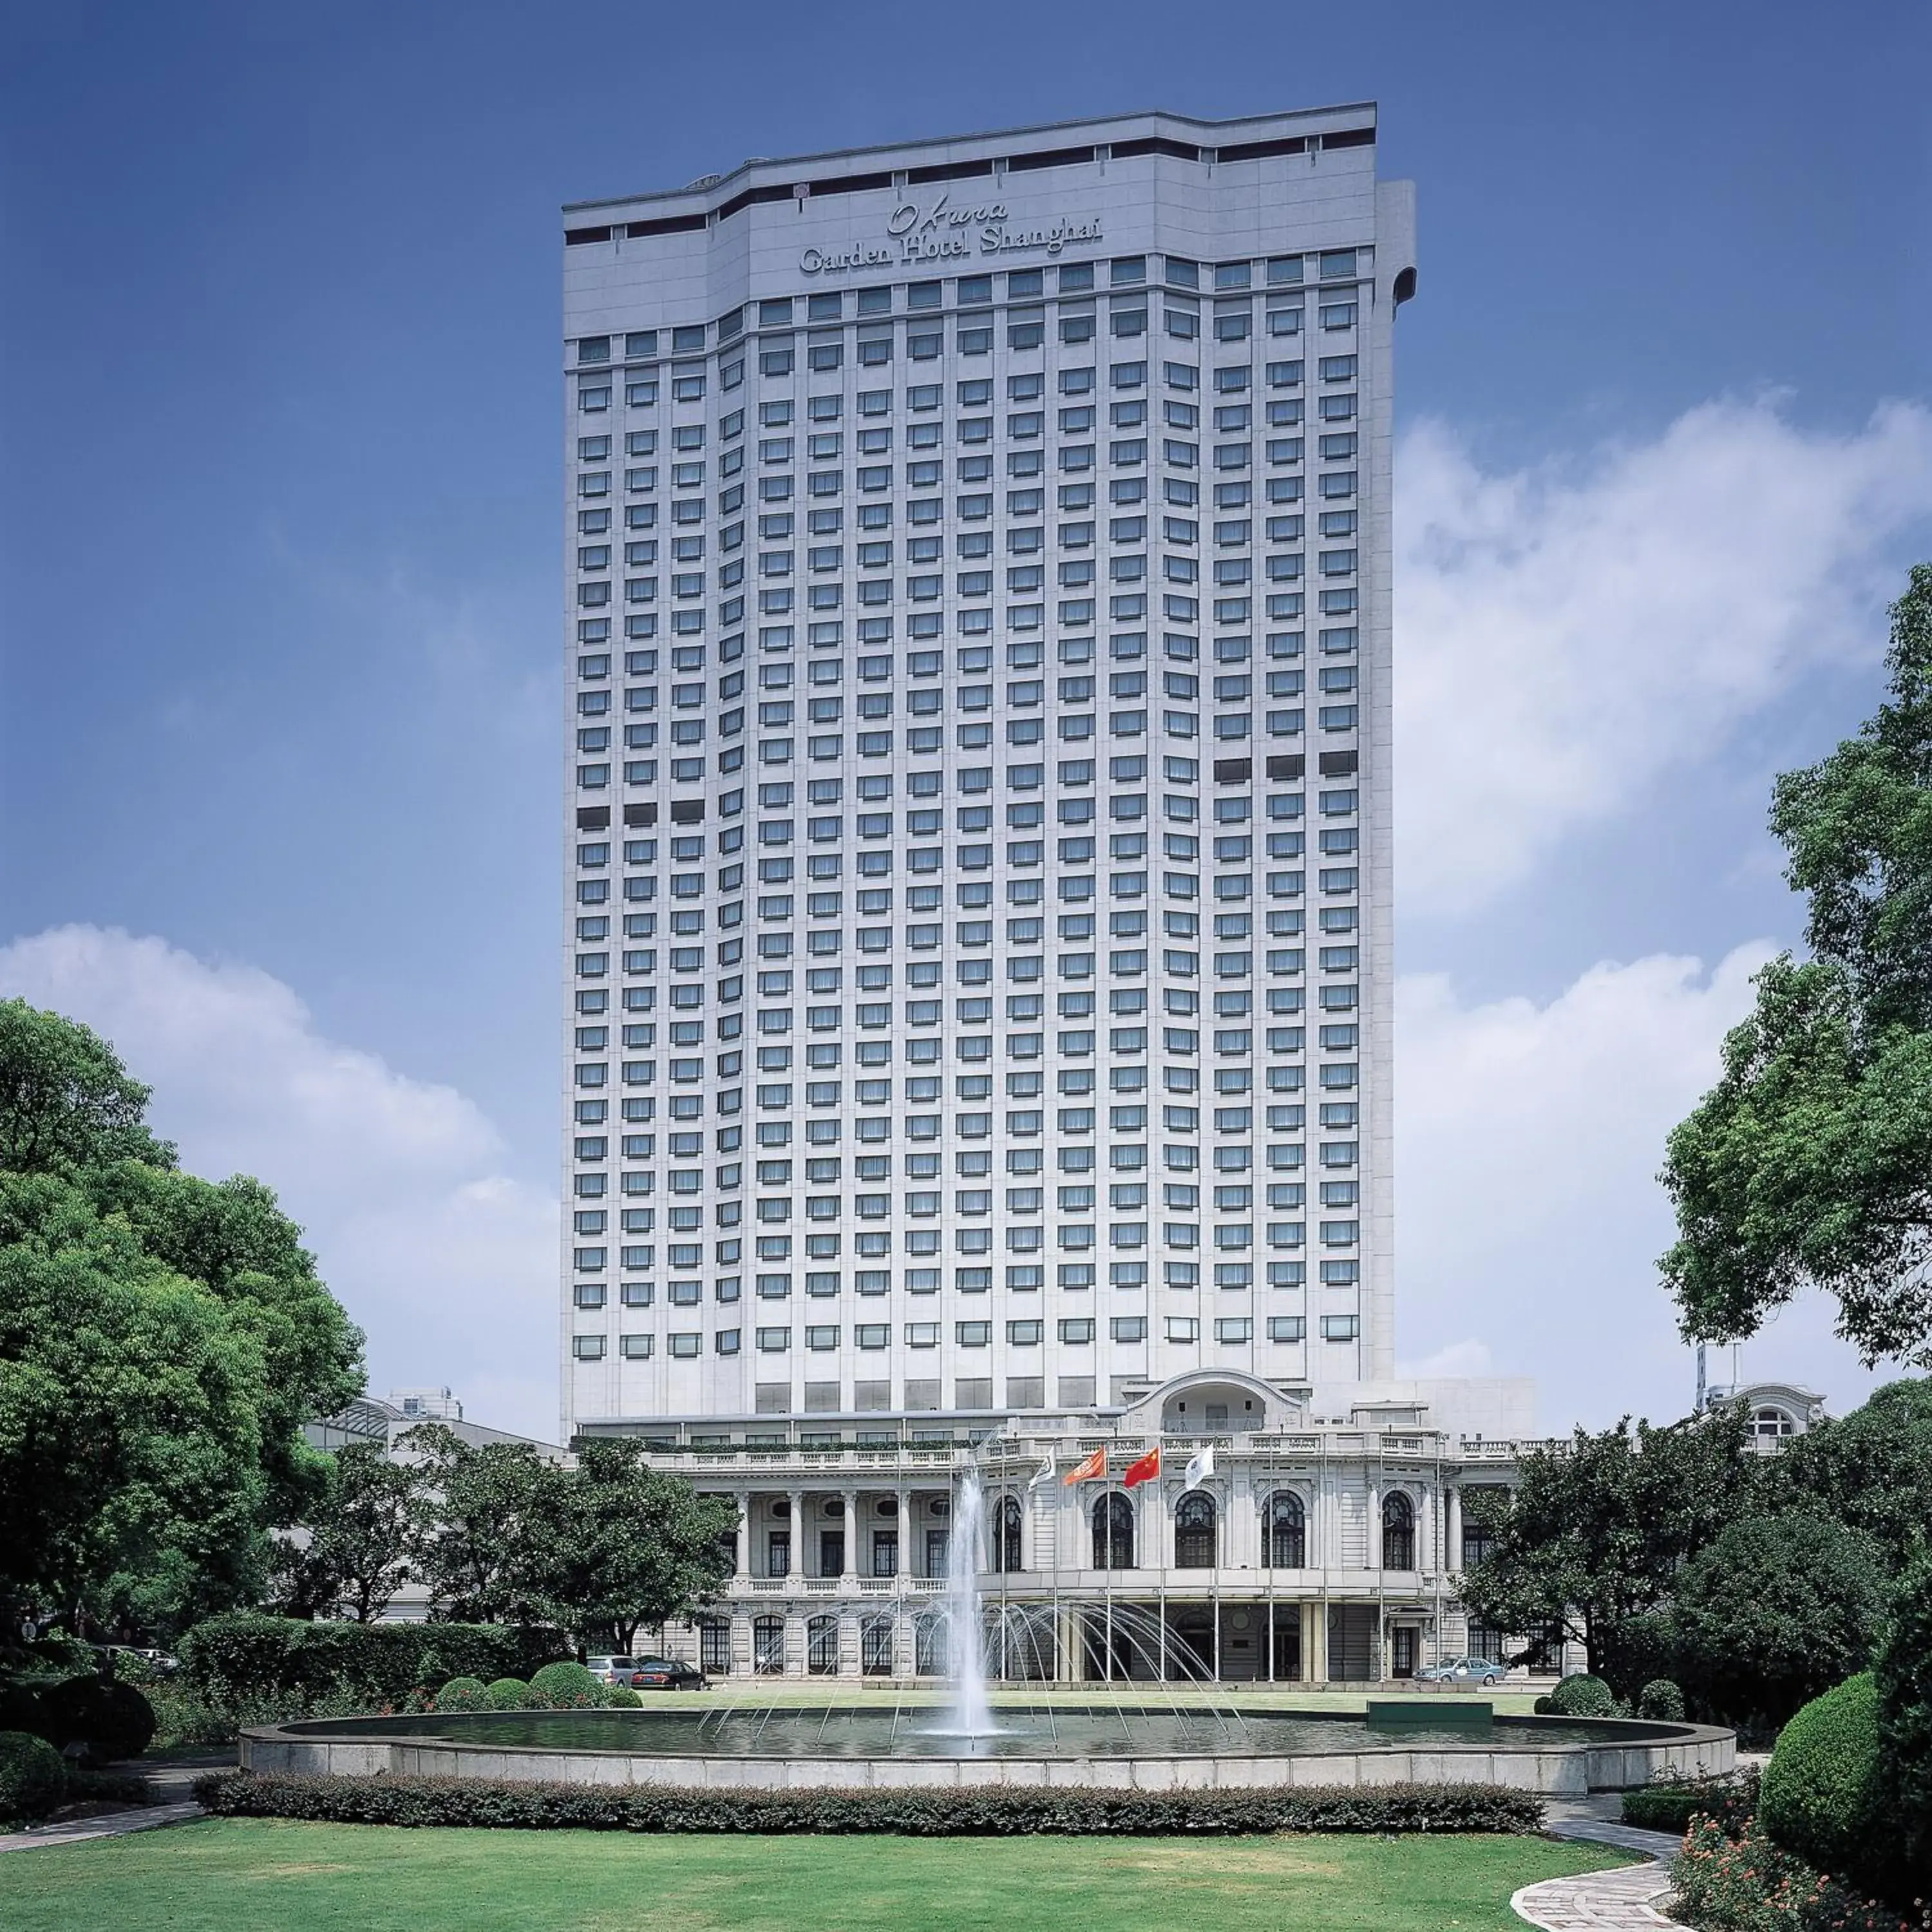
x: 978, y: 956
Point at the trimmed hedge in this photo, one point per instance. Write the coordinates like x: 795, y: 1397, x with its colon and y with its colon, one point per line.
x: 1578, y: 1695
x: 464, y: 1693
x: 241, y: 1658
x: 622, y: 1697
x: 1662, y: 1700
x: 1730, y: 1802
x: 1821, y: 1799
x: 566, y: 1687
x: 507, y: 1694
x: 983, y: 1811
x: 33, y: 1780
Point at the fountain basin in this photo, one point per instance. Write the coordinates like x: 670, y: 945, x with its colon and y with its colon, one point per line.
x: 1099, y: 1744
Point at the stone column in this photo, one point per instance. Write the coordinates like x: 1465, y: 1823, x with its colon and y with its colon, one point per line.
x: 797, y: 1499
x: 1452, y: 1554
x: 850, y: 1499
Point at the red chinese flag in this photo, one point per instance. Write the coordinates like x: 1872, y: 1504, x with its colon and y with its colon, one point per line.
x: 1092, y: 1470
x: 1145, y: 1468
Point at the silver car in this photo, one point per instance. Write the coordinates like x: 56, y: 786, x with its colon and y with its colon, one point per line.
x: 1483, y: 1670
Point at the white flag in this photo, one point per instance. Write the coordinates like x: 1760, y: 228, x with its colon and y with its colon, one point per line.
x: 1200, y: 1467
x: 1043, y: 1475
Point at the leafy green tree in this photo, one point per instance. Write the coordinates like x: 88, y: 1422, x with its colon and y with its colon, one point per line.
x: 1871, y: 1469
x: 1591, y: 1538
x: 632, y: 1546
x: 1904, y: 1672
x: 361, y: 1537
x: 162, y: 1339
x: 1772, y: 1613
x: 484, y: 1549
x: 1811, y: 1161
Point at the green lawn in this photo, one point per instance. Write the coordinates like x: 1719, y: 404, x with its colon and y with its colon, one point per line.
x: 249, y: 1875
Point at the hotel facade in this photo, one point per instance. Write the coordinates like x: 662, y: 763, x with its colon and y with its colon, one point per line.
x: 978, y: 960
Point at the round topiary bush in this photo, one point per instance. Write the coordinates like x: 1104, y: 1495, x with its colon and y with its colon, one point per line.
x: 113, y: 1720
x: 1660, y: 1699
x: 1581, y: 1696
x: 567, y: 1687
x: 462, y: 1694
x: 622, y: 1697
x: 1820, y: 1796
x: 507, y: 1694
x: 33, y: 1780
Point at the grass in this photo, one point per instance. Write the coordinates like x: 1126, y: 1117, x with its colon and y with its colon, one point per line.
x: 274, y: 1876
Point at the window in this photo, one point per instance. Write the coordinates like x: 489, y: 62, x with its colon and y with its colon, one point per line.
x: 1284, y: 1532
x: 1398, y: 1531
x: 1194, y: 1531
x: 1113, y: 1518
x: 1007, y: 1535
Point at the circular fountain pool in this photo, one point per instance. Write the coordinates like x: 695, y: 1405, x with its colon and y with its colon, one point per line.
x: 1155, y: 1744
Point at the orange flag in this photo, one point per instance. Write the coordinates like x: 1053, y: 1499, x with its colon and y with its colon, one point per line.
x: 1092, y: 1470
x: 1144, y: 1469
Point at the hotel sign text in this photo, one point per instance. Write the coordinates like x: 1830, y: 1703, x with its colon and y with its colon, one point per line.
x: 939, y: 231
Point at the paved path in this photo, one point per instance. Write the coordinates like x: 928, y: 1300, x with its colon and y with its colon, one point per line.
x: 108, y: 1825
x: 1629, y: 1899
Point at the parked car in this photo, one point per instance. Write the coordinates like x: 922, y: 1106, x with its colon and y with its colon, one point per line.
x: 611, y: 1669
x: 663, y: 1673
x: 1483, y: 1670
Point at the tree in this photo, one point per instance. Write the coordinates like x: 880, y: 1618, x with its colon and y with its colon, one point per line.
x: 1772, y: 1613
x: 487, y: 1512
x: 361, y: 1537
x: 1811, y: 1161
x: 632, y: 1547
x: 65, y: 1097
x: 162, y: 1340
x: 1904, y: 1672
x: 1871, y: 1469
x: 1591, y: 1539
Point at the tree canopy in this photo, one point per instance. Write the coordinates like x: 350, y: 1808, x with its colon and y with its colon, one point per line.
x: 1591, y: 1538
x: 1811, y: 1161
x: 162, y: 1340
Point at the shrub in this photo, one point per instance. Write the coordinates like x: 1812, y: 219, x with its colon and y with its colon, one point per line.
x: 1729, y: 1800
x: 241, y: 1658
x: 1903, y: 1674
x: 507, y: 1694
x: 1819, y: 1800
x: 114, y: 1720
x: 1747, y: 1884
x: 935, y: 1811
x: 622, y: 1697
x: 33, y: 1780
x: 464, y: 1693
x: 1580, y: 1696
x: 1661, y: 1700
x: 566, y: 1687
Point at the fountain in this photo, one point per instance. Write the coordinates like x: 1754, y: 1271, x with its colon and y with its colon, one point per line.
x: 1138, y: 1716
x: 972, y: 1709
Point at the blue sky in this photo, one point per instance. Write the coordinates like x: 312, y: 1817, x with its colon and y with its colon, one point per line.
x: 279, y: 561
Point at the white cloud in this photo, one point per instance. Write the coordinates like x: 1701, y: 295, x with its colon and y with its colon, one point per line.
x: 448, y: 1265
x: 1528, y: 1216
x: 1567, y: 635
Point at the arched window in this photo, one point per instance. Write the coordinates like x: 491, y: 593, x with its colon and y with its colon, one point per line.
x: 1772, y: 1424
x: 1007, y: 1534
x: 1398, y: 1531
x: 1194, y: 1532
x: 1113, y: 1532
x: 1284, y: 1532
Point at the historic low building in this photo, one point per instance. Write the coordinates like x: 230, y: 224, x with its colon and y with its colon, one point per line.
x: 1323, y: 1544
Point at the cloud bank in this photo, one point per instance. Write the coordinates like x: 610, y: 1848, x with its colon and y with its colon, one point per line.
x: 447, y: 1263
x: 1528, y: 1218
x: 1567, y: 635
